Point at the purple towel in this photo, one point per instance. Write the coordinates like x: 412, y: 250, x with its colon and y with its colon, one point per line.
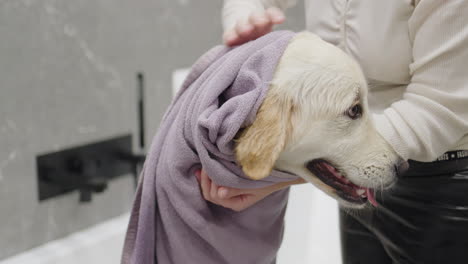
x: 170, y: 221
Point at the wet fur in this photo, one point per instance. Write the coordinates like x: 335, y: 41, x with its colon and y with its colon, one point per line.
x: 303, y: 118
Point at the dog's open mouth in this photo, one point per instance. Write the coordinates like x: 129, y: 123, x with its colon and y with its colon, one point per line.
x: 344, y: 188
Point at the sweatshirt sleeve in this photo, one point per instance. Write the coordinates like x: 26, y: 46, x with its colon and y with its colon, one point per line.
x: 433, y: 114
x: 238, y: 10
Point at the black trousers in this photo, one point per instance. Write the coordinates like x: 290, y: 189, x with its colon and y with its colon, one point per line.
x: 423, y: 219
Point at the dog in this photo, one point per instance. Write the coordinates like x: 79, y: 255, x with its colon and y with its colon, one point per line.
x: 315, y: 123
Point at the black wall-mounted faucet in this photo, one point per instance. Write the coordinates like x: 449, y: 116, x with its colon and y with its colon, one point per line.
x: 89, y: 168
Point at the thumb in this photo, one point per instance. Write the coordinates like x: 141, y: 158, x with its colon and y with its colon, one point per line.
x: 198, y: 175
x: 228, y: 192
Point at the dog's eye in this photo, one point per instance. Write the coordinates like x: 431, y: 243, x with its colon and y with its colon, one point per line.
x: 355, y: 112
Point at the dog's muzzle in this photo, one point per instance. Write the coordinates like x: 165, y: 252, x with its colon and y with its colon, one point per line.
x: 344, y: 188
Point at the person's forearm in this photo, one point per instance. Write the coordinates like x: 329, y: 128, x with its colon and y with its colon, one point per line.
x: 432, y: 116
x: 238, y: 10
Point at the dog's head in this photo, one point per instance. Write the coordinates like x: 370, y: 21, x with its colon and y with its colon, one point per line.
x: 315, y: 123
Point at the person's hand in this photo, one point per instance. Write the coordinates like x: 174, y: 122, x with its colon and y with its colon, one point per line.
x: 236, y: 199
x: 257, y: 25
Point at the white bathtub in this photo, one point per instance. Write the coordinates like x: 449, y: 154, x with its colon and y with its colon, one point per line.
x: 99, y: 244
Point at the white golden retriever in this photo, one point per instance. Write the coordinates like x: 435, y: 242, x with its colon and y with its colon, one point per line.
x: 315, y: 123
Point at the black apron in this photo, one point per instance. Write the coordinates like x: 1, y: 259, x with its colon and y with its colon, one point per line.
x: 423, y: 219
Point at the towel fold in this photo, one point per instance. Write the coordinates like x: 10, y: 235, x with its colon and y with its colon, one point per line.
x: 170, y: 221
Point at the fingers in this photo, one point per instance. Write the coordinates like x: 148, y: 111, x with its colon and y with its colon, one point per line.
x: 257, y: 25
x: 230, y: 37
x: 240, y: 34
x: 212, y: 192
x: 245, y: 29
x: 205, y: 186
x: 276, y: 15
x: 198, y: 175
x: 261, y: 22
x: 223, y: 196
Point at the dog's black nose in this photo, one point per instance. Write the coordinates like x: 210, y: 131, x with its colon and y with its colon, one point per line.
x: 402, y: 167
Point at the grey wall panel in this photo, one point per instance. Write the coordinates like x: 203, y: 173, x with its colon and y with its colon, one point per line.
x: 63, y: 83
x: 67, y: 77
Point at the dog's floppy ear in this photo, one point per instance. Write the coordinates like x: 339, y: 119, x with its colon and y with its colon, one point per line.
x: 260, y: 144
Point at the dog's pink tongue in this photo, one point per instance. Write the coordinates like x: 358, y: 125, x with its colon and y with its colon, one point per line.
x: 371, y: 197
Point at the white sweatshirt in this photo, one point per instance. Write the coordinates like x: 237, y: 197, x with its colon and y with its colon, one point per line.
x: 414, y: 54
